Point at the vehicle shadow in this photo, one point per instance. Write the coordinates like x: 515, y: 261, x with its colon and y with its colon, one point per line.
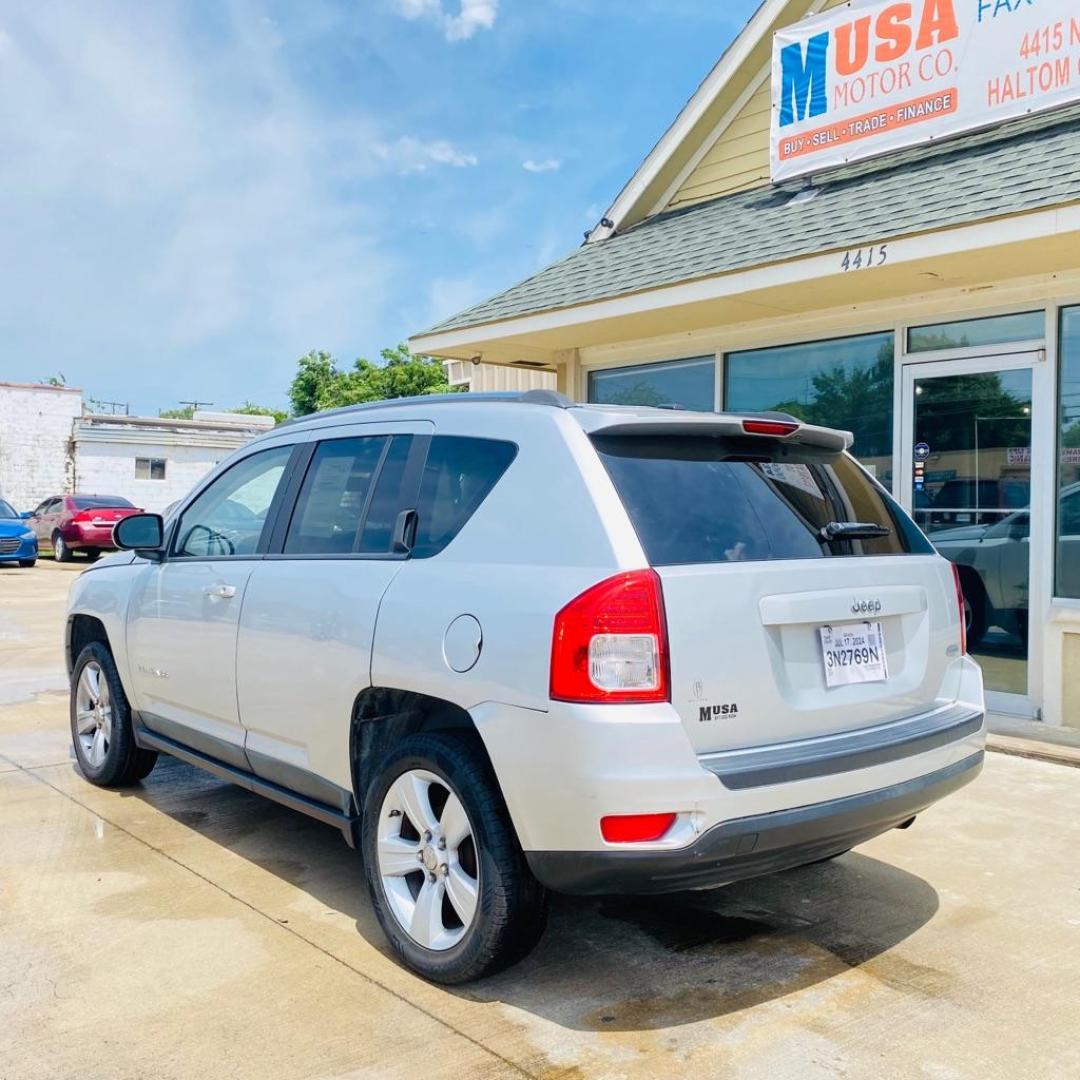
x: 611, y: 964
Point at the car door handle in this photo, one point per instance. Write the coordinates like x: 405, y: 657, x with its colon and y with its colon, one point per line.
x: 221, y: 592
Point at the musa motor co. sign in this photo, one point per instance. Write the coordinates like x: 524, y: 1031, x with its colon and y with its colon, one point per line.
x: 867, y: 79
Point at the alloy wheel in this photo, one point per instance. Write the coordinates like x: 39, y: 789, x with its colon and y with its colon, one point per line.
x: 427, y: 860
x: 93, y: 714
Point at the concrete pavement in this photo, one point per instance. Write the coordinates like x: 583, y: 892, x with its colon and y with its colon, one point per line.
x: 186, y: 928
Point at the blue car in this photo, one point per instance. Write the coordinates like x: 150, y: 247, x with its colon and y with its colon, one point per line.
x: 17, y: 540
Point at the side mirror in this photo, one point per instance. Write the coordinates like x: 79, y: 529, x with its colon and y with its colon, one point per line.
x: 26, y: 515
x: 142, y: 533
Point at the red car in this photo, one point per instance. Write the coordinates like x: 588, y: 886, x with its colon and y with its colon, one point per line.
x: 79, y: 523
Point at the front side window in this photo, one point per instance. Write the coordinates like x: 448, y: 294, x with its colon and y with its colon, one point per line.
x: 699, y: 500
x: 7, y: 510
x: 673, y: 384
x: 1068, y: 514
x: 334, y: 497
x: 227, y: 519
x: 846, y: 383
x: 459, y: 475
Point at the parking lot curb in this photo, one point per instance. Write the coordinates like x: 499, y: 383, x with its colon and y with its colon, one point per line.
x: 1035, y: 749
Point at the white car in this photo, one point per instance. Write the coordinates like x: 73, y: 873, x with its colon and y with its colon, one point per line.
x: 508, y: 644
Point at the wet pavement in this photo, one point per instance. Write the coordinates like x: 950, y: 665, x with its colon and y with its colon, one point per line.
x: 186, y: 928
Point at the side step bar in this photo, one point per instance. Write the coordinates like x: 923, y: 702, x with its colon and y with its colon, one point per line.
x: 348, y: 824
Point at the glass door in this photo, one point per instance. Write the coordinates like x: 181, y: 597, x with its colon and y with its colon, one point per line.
x: 968, y: 441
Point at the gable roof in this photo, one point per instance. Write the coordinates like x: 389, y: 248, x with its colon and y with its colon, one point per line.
x: 1028, y: 165
x: 708, y: 110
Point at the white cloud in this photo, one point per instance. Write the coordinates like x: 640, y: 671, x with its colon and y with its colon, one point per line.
x: 408, y: 155
x: 474, y: 15
x: 176, y: 208
x: 547, y: 165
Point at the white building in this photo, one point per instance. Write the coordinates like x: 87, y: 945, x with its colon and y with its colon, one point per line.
x: 154, y: 462
x: 35, y: 430
x: 519, y: 375
x: 49, y: 446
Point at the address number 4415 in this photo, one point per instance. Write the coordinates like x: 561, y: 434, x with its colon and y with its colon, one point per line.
x: 865, y: 258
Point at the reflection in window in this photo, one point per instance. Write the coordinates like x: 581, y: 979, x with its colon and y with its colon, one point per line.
x: 678, y: 384
x: 846, y: 383
x: 1068, y: 516
x: 998, y: 330
x: 228, y: 517
x: 332, y: 500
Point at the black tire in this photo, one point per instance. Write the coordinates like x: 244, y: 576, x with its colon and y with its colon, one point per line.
x: 124, y: 763
x: 976, y: 609
x: 26, y: 564
x: 61, y: 552
x: 512, y: 908
x: 92, y: 554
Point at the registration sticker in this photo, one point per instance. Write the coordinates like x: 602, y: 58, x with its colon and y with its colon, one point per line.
x: 854, y: 653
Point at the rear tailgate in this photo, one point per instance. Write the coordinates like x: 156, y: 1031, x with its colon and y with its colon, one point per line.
x: 775, y: 631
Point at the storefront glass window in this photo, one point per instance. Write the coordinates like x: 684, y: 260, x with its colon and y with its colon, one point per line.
x: 846, y: 383
x: 1068, y: 510
x: 970, y: 333
x: 683, y: 384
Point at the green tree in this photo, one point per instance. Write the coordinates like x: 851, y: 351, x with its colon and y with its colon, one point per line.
x: 316, y: 372
x: 249, y: 408
x: 187, y: 412
x: 320, y: 384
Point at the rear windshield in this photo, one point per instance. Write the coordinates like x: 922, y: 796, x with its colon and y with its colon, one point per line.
x: 711, y: 500
x: 98, y: 502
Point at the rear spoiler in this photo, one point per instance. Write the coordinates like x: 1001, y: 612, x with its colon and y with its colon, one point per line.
x: 778, y: 426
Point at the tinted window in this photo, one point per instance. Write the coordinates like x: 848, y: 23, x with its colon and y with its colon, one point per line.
x: 459, y: 475
x: 685, y: 384
x: 98, y: 502
x: 228, y: 517
x: 7, y: 510
x: 334, y: 496
x: 1067, y: 581
x: 846, y: 383
x: 704, y: 500
x: 386, y: 502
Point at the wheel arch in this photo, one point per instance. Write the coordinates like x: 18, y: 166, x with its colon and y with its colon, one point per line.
x: 383, y: 716
x: 83, y: 629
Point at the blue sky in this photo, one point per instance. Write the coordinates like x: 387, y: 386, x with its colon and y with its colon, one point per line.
x: 194, y: 194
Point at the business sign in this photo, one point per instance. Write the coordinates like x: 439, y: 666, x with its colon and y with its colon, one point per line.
x: 870, y: 78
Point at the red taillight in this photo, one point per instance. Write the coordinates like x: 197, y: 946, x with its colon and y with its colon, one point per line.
x: 82, y: 515
x: 610, y: 644
x: 777, y: 428
x: 636, y: 828
x: 963, y: 607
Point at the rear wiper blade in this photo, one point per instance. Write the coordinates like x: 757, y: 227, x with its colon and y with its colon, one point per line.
x: 851, y: 530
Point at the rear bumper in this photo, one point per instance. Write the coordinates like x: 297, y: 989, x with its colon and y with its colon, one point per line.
x: 752, y: 846
x: 96, y: 536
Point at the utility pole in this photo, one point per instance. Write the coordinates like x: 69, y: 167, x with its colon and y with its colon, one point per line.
x: 196, y: 405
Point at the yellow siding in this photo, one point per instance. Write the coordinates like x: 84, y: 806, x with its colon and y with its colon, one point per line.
x: 739, y: 159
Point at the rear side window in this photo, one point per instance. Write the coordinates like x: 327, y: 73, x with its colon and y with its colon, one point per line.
x: 459, y: 475
x: 334, y: 497
x: 385, y: 503
x: 707, y: 500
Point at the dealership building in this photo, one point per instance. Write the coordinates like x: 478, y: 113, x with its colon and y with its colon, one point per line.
x: 868, y: 215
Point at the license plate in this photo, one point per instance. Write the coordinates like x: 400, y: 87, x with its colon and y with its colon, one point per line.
x: 854, y: 653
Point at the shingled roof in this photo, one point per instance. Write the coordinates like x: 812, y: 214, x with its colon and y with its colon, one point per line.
x: 1027, y: 165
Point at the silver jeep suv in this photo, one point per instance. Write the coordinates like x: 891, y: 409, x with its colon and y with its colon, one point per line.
x: 508, y: 644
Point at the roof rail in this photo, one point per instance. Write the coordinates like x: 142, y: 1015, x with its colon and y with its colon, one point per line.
x: 527, y: 397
